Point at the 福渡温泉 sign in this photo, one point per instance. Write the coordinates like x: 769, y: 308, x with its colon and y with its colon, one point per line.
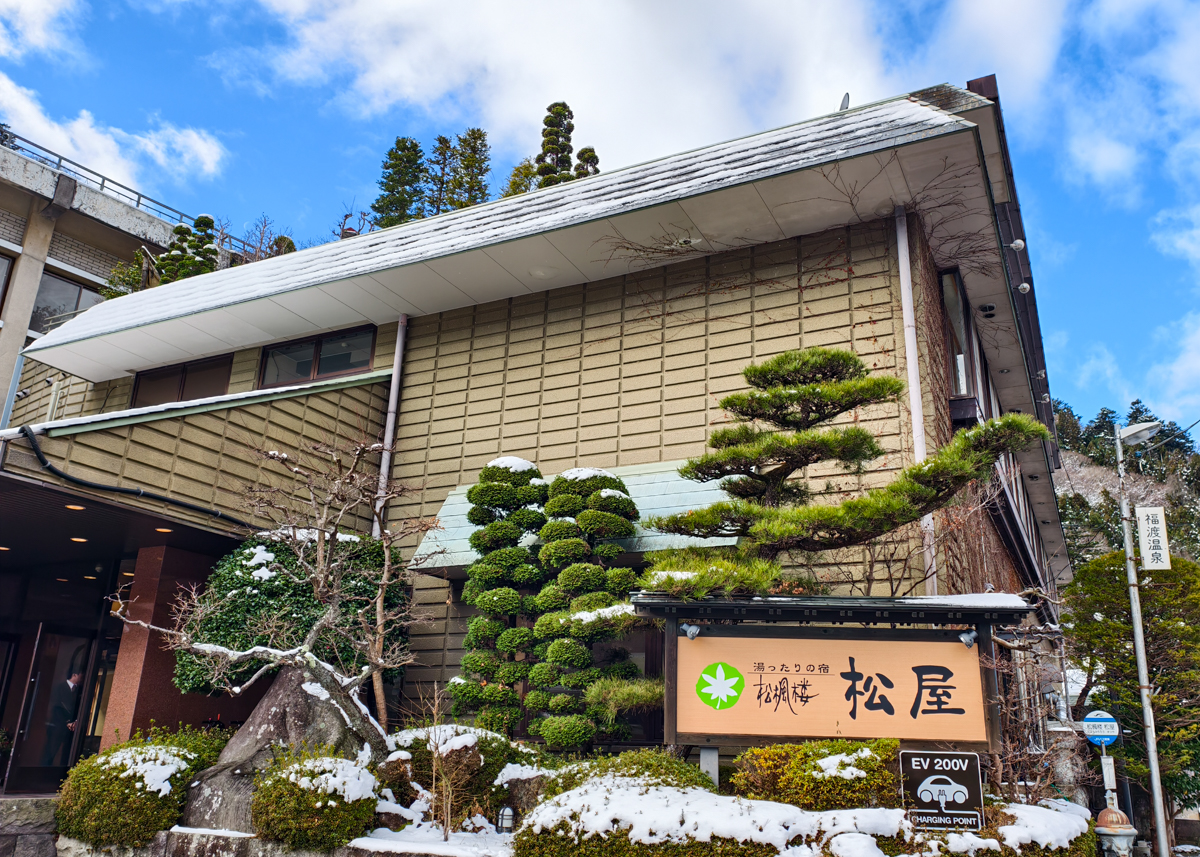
x: 829, y: 687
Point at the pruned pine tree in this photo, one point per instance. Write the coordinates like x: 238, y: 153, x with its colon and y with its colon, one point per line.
x: 587, y: 163
x: 472, y: 164
x: 779, y: 433
x: 402, y: 185
x: 440, y: 168
x: 522, y: 179
x: 191, y: 251
x: 554, y: 162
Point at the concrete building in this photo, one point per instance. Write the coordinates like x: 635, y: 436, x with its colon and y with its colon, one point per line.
x: 593, y: 323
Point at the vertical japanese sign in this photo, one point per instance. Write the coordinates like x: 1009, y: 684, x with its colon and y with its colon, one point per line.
x: 1152, y: 538
x: 818, y: 688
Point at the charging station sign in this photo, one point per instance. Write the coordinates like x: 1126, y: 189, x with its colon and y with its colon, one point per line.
x: 942, y: 791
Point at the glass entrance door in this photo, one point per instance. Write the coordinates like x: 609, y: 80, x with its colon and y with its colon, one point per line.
x: 50, y: 712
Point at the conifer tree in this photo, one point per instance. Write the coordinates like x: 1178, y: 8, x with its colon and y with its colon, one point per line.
x: 402, y: 186
x: 191, y: 251
x: 472, y: 163
x: 587, y: 163
x: 522, y: 179
x: 778, y: 434
x: 554, y: 162
x: 440, y: 169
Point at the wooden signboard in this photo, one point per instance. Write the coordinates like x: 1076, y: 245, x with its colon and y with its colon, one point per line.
x: 729, y: 682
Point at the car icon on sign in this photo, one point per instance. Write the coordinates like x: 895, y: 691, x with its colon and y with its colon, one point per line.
x: 943, y: 790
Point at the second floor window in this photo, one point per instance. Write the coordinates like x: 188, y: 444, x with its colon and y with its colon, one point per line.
x: 184, y: 382
x: 322, y: 356
x: 59, y: 300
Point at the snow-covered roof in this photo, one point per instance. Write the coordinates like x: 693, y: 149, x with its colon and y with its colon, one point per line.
x: 759, y: 188
x: 657, y: 489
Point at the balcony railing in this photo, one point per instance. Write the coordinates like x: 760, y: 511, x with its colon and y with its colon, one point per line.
x: 96, y: 181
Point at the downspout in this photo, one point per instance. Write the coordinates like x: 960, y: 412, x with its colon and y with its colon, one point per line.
x: 915, y: 405
x: 11, y: 398
x: 389, y: 426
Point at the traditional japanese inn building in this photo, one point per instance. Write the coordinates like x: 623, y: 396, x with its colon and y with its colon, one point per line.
x: 595, y: 323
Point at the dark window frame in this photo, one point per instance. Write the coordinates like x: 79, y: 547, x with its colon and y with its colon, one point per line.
x: 50, y: 269
x: 137, y: 381
x: 969, y: 346
x: 315, y: 374
x: 4, y: 280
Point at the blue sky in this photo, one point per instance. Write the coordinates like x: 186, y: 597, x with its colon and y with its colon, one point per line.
x: 286, y: 107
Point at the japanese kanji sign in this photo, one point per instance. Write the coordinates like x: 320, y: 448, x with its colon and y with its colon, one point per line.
x: 806, y: 687
x: 1152, y: 538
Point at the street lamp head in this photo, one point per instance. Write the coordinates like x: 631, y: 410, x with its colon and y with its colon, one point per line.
x: 1139, y: 432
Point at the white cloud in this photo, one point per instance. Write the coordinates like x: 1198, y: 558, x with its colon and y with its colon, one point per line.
x: 36, y: 26
x: 132, y: 158
x: 1177, y: 395
x: 1101, y: 370
x: 1177, y: 233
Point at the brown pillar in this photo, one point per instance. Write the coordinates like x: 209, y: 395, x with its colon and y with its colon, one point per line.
x: 142, y: 690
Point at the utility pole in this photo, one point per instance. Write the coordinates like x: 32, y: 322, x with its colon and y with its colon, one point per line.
x: 1135, y: 434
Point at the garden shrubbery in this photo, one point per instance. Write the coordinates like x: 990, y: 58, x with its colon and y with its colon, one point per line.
x: 821, y: 775
x: 309, y: 799
x: 130, y: 792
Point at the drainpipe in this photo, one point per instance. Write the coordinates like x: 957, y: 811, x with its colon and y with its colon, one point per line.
x: 915, y: 406
x: 11, y: 398
x: 389, y: 427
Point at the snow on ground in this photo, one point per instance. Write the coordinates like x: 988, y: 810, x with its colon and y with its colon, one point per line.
x: 152, y: 765
x: 426, y: 838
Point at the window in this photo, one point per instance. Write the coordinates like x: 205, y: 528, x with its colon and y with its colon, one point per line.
x: 185, y: 382
x: 319, y: 357
x: 59, y: 300
x: 957, y: 343
x: 5, y: 267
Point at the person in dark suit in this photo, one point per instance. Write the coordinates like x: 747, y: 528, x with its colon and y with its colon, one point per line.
x: 60, y: 723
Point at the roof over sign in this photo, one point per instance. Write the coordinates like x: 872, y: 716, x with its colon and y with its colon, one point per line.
x: 726, y: 195
x: 657, y: 489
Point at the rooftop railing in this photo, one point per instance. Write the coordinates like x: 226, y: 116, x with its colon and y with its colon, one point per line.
x: 97, y: 181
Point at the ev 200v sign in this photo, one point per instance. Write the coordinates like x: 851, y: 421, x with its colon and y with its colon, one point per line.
x: 942, y: 790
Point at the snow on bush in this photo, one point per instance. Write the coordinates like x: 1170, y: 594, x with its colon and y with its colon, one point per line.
x: 313, y: 800
x: 513, y: 463
x: 842, y: 765
x: 821, y: 775
x: 151, y: 767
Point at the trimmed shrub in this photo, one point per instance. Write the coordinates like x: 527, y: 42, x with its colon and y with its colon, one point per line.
x: 593, y: 601
x: 549, y: 626
x: 533, y: 495
x: 582, y: 577
x: 511, y: 672
x: 807, y: 775
x: 565, y: 506
x: 654, y: 766
x: 129, y: 792
x: 625, y: 670
x: 556, y: 530
x: 619, y: 580
x: 481, y: 662
x: 584, y: 482
x: 607, y: 552
x: 481, y: 516
x: 498, y: 718
x: 509, y: 558
x: 564, y: 552
x: 569, y: 653
x: 527, y: 575
x: 515, y: 640
x: 493, y: 495
x: 565, y: 703
x: 499, y: 602
x: 311, y: 800
x: 604, y: 525
x: 567, y: 733
x: 609, y: 698
x: 496, y: 535
x: 487, y: 576
x: 501, y: 473
x: 552, y: 597
x: 615, y: 502
x: 483, y: 631
x: 467, y: 695
x: 559, y: 841
x: 580, y: 680
x: 498, y: 694
x: 544, y: 675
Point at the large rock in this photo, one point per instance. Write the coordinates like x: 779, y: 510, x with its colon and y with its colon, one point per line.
x: 220, y: 796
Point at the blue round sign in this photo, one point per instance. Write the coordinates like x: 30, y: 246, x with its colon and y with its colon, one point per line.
x: 1101, y: 728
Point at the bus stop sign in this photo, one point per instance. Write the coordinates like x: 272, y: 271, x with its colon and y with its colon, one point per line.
x: 1101, y: 728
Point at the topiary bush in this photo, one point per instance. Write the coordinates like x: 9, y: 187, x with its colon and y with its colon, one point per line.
x: 822, y: 775
x: 653, y: 766
x: 309, y: 799
x: 128, y: 793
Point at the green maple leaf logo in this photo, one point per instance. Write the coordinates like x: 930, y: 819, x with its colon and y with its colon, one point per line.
x: 720, y: 686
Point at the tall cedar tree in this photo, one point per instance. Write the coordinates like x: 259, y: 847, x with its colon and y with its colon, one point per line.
x: 778, y: 435
x: 1098, y: 630
x: 472, y: 163
x: 554, y: 163
x: 402, y: 186
x: 440, y: 169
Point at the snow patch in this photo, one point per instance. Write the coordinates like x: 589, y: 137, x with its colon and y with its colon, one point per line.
x: 426, y: 838
x: 512, y: 772
x: 332, y: 776
x: 212, y: 831
x: 314, y: 689
x: 841, y: 765
x: 986, y: 600
x: 153, y: 766
x: 511, y: 462
x: 854, y: 845
x: 1049, y: 828
x: 968, y: 843
x: 603, y: 613
x: 613, y: 492
x: 258, y: 555
x: 578, y: 474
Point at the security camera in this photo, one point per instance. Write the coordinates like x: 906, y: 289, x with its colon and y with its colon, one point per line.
x: 692, y: 631
x: 1024, y: 288
x: 1017, y: 245
x: 968, y: 638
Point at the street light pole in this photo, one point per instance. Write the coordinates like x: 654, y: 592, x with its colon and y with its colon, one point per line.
x: 1137, y: 434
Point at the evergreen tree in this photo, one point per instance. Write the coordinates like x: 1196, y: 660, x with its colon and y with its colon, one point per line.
x: 472, y: 164
x: 191, y: 251
x: 402, y: 186
x: 587, y: 163
x: 440, y: 169
x: 522, y: 179
x: 554, y: 162
x: 778, y: 434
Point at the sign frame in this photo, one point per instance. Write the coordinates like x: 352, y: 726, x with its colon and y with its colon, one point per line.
x: 1155, y: 548
x: 766, y: 631
x: 976, y: 781
x: 1099, y: 737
